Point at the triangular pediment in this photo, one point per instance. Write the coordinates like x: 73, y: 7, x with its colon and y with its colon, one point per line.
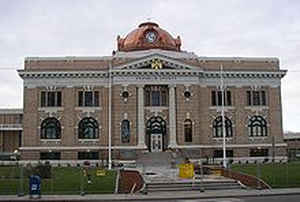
x: 156, y: 62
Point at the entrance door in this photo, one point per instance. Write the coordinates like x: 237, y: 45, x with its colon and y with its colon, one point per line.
x: 156, y: 142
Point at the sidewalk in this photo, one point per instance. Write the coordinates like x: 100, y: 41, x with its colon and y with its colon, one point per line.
x: 159, y: 195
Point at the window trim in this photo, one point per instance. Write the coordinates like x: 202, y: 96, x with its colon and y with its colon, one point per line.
x: 256, y: 98
x: 216, y: 98
x: 82, y: 98
x: 160, y: 90
x: 122, y: 139
x: 45, y: 124
x: 218, y: 127
x: 87, y: 122
x: 188, y: 130
x: 257, y: 126
x: 45, y: 98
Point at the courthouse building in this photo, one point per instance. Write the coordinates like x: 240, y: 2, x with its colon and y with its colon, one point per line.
x: 149, y: 95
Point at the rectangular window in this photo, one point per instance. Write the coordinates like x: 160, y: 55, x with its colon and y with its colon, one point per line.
x: 88, y: 99
x: 50, y: 156
x: 58, y: 99
x: 219, y: 98
x: 164, y: 98
x: 43, y: 99
x: 51, y: 99
x: 155, y: 98
x: 216, y: 98
x: 20, y: 138
x: 88, y: 156
x: 213, y: 98
x: 156, y: 95
x: 96, y: 99
x: 263, y: 98
x: 228, y: 98
x: 148, y: 97
x: 249, y: 103
x: 259, y: 152
x: 219, y: 153
x: 256, y: 98
x: 80, y: 98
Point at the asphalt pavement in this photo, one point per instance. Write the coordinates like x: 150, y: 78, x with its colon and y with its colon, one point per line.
x: 210, y: 196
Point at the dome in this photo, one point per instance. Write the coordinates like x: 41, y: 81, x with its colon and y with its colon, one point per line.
x: 148, y: 36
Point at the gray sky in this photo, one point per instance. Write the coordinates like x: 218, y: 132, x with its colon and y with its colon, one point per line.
x: 208, y: 28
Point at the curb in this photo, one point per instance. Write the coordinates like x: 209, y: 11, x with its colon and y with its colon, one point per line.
x: 148, y: 198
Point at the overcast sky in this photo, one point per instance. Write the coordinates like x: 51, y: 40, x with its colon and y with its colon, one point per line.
x: 208, y: 28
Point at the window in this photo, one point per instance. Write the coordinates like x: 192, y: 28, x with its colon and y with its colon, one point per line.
x: 88, y: 155
x: 219, y: 153
x: 50, y: 156
x: 156, y: 96
x: 125, y: 131
x: 88, y: 128
x: 259, y: 152
x: 257, y: 126
x: 256, y: 98
x: 51, y: 99
x: 216, y: 98
x: 50, y: 129
x: 88, y: 98
x: 188, y: 131
x: 218, y: 129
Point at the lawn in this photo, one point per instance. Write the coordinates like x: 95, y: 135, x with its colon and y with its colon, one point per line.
x: 276, y: 175
x: 65, y: 180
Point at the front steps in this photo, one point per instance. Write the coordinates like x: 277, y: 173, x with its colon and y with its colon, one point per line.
x: 192, y: 186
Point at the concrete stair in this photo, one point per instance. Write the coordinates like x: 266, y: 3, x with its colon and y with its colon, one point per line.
x: 191, y: 186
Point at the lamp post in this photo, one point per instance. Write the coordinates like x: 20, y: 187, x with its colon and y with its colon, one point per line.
x: 223, y: 119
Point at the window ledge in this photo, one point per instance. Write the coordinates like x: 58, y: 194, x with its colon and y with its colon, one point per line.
x: 261, y: 107
x: 221, y: 138
x: 219, y: 108
x: 88, y: 109
x: 50, y: 109
x: 53, y: 141
x: 88, y: 140
x: 258, y: 138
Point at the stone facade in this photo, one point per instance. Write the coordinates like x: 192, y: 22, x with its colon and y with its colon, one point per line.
x: 121, y: 81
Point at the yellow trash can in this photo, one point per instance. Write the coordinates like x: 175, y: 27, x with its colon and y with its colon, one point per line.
x: 186, y: 170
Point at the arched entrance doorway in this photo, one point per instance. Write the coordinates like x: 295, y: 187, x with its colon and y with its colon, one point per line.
x: 156, y: 134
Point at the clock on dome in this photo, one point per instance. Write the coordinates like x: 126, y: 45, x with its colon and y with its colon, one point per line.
x: 151, y: 36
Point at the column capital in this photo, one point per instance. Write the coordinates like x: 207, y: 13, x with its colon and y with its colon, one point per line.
x: 172, y: 85
x: 140, y: 85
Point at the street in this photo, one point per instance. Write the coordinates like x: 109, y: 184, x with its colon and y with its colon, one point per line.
x: 289, y: 198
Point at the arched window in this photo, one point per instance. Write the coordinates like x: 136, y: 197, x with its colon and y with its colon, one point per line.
x: 88, y: 128
x: 218, y: 127
x: 188, y: 130
x: 257, y: 127
x: 125, y: 131
x: 50, y: 129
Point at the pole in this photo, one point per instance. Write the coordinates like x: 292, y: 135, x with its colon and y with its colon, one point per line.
x: 109, y: 116
x: 223, y: 120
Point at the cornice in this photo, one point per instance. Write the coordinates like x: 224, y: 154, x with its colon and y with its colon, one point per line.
x: 144, y: 72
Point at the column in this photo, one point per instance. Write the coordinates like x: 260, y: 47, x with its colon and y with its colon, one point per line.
x: 172, y: 117
x: 141, y: 122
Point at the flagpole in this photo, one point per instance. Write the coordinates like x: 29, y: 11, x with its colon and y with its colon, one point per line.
x: 223, y: 119
x: 109, y: 115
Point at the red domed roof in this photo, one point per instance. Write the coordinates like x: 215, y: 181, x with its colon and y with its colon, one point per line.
x: 148, y: 36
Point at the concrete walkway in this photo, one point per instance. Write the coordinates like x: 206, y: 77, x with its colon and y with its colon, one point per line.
x: 161, y: 195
